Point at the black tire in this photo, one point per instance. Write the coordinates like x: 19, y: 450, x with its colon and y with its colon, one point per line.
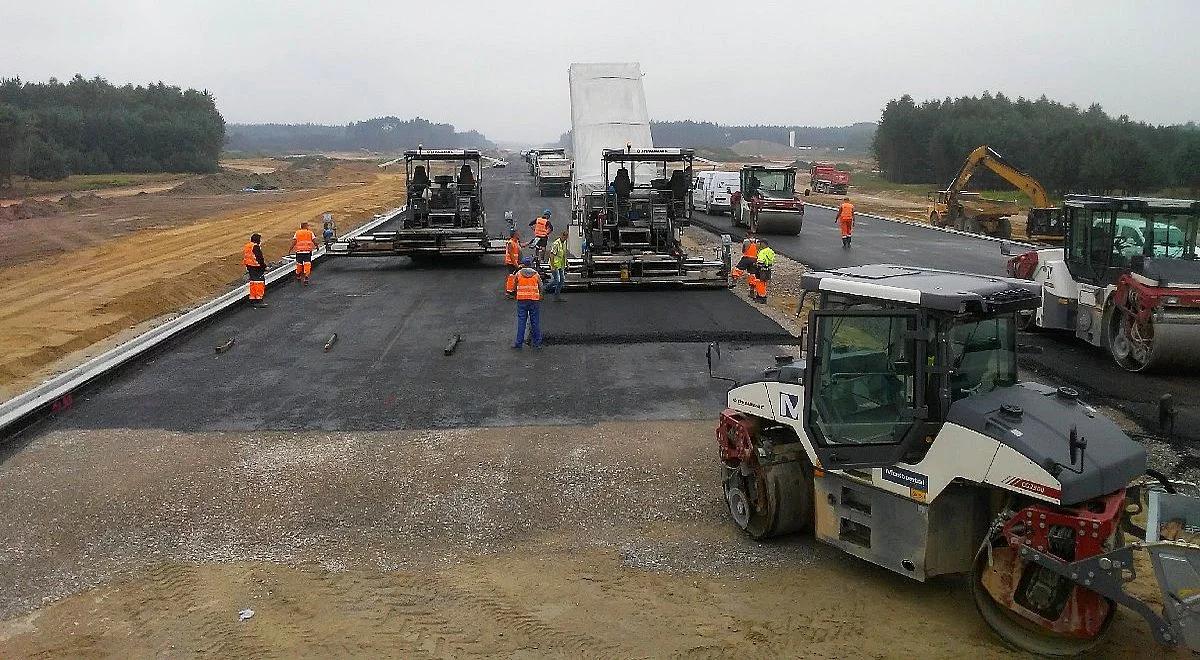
x: 1018, y: 633
x: 708, y: 209
x: 972, y: 225
x: 935, y: 220
x: 1004, y: 228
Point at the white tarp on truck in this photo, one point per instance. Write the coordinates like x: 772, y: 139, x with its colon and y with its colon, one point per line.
x: 608, y: 111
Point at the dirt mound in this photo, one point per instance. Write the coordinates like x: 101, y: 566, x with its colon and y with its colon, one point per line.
x: 36, y: 208
x: 309, y: 173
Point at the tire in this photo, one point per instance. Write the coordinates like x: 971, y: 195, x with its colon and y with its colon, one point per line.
x: 708, y: 209
x: 935, y: 220
x: 972, y: 225
x: 1129, y: 354
x: 1004, y: 228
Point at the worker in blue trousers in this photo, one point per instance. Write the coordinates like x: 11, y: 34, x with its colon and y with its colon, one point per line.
x: 529, y: 304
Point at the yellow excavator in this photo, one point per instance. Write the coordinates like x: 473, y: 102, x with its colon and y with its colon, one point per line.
x: 969, y: 211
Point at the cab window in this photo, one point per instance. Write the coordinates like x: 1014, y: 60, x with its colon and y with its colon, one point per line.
x: 863, y: 390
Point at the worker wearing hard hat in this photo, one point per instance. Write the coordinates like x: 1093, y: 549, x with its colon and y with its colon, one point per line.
x: 845, y: 220
x: 748, y: 262
x: 529, y: 304
x: 256, y: 270
x: 303, y: 244
x: 766, y: 259
x: 558, y: 265
x: 541, y: 232
x: 512, y: 261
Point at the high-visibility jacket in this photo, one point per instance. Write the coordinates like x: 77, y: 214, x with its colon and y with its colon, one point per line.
x: 248, y: 256
x: 306, y: 241
x: 541, y: 227
x: 766, y: 257
x: 750, y: 248
x: 512, y: 252
x: 845, y: 211
x: 558, y: 254
x: 529, y: 284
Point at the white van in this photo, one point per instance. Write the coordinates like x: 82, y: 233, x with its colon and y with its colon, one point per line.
x: 712, y: 191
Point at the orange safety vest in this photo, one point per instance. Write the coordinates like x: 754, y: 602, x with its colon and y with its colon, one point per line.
x: 751, y: 250
x: 512, y: 252
x: 306, y: 241
x: 541, y: 228
x: 528, y: 286
x: 846, y: 211
x: 248, y: 258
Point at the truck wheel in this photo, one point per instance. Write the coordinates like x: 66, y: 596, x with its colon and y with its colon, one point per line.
x: 935, y: 220
x: 1004, y: 228
x: 972, y: 225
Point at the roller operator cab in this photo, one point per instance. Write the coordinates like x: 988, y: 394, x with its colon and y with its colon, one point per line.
x: 904, y: 437
x: 766, y: 201
x: 1127, y: 279
x: 629, y: 231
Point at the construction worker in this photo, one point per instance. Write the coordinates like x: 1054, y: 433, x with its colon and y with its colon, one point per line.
x: 327, y: 235
x: 303, y: 244
x: 558, y: 265
x: 529, y: 304
x: 766, y: 259
x: 512, y: 261
x: 256, y: 270
x: 747, y: 263
x: 845, y: 220
x: 541, y: 233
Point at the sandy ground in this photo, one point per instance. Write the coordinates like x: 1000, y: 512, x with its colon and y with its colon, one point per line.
x: 605, y: 541
x: 101, y: 278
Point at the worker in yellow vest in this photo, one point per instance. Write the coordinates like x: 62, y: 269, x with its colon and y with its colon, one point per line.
x: 529, y: 305
x: 766, y: 259
x: 256, y: 270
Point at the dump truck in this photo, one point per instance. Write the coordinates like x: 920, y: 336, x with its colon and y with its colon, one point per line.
x: 552, y: 174
x: 1127, y: 279
x: 903, y: 436
x: 969, y: 211
x: 827, y: 178
x: 630, y: 201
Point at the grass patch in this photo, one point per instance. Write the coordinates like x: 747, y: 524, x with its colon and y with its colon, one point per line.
x: 22, y: 187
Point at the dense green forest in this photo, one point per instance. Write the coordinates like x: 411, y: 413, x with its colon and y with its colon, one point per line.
x: 855, y: 138
x: 1067, y: 149
x: 383, y: 134
x: 53, y: 129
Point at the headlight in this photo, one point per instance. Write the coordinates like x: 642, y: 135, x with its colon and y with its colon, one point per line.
x: 1171, y: 300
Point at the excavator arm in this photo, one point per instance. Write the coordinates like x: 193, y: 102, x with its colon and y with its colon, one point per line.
x: 986, y: 156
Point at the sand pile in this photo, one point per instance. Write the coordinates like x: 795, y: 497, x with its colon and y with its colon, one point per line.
x: 308, y: 173
x: 36, y: 208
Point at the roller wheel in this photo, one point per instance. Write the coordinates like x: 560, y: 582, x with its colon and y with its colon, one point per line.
x: 784, y: 508
x: 1021, y: 633
x: 1131, y: 344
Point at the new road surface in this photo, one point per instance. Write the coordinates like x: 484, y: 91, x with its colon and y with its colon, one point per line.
x: 1057, y: 356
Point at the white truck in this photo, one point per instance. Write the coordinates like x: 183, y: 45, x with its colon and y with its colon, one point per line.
x: 552, y: 174
x: 713, y: 191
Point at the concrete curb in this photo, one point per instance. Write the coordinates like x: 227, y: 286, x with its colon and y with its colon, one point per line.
x: 56, y: 393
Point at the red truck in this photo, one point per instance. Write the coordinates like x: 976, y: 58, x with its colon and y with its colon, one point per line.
x: 827, y: 178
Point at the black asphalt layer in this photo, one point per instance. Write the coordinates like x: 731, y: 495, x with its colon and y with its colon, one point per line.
x: 1061, y: 357
x: 609, y: 355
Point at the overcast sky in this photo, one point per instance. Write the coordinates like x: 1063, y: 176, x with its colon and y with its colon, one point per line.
x: 501, y: 67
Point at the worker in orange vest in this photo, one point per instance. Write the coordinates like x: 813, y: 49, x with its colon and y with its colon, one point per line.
x: 303, y: 244
x: 256, y: 270
x: 541, y: 233
x: 845, y: 220
x: 512, y: 261
x: 747, y: 263
x: 529, y: 305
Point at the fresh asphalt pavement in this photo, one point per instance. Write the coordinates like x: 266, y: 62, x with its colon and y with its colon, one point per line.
x: 1058, y: 357
x: 608, y: 355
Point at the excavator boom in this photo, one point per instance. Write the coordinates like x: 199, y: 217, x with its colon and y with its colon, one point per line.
x: 986, y: 156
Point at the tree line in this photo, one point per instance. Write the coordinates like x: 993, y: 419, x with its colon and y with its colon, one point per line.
x: 1067, y: 149
x: 705, y: 134
x: 53, y: 129
x: 382, y: 134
